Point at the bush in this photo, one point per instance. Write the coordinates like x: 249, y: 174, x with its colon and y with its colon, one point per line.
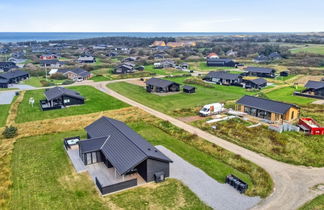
x: 200, y: 82
x: 10, y: 132
x: 67, y: 82
x: 58, y: 76
x: 46, y: 83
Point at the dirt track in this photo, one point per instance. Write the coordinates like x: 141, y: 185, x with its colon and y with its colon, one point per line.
x: 293, y: 184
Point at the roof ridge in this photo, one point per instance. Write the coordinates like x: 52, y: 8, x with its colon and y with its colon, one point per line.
x: 126, y: 136
x: 271, y: 100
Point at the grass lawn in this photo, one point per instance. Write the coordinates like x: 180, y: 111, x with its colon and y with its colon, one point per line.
x: 281, y: 78
x: 43, y: 178
x: 202, y: 66
x: 170, y: 103
x: 96, y: 101
x: 100, y: 78
x: 285, y: 94
x: 36, y: 81
x: 4, y: 114
x: 314, y: 49
x: 315, y: 204
x: 151, y: 69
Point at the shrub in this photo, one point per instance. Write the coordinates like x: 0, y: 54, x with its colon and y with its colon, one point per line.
x: 200, y: 82
x: 10, y: 132
x: 58, y: 76
x: 46, y: 83
x: 67, y: 82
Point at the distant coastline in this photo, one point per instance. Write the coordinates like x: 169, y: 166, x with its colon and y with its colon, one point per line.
x: 6, y: 37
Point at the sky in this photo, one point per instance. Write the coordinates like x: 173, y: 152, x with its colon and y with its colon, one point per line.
x: 161, y: 16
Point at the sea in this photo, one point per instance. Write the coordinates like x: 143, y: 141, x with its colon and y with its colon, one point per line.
x: 6, y: 37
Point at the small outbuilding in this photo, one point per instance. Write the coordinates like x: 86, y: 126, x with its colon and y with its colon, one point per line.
x: 189, y: 89
x: 284, y: 73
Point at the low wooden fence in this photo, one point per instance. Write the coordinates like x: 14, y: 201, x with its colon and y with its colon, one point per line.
x: 115, y: 187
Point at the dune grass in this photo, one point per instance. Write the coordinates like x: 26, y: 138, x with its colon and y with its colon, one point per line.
x: 4, y: 114
x: 312, y: 49
x: 96, y: 101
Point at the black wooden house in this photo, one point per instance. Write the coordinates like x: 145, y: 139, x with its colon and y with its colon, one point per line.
x: 58, y: 97
x: 161, y: 86
x: 118, y: 146
x: 14, y: 77
x: 260, y: 72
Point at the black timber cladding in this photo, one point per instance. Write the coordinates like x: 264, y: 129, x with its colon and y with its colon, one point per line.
x: 57, y: 92
x: 260, y: 70
x: 222, y: 75
x: 123, y: 147
x: 14, y: 74
x: 265, y: 104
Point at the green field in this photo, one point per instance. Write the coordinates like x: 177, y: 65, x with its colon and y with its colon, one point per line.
x: 4, y: 114
x: 171, y: 103
x: 43, y: 178
x: 313, y: 49
x: 36, y: 81
x: 285, y: 94
x: 100, y: 78
x: 151, y: 69
x: 315, y: 204
x: 96, y: 101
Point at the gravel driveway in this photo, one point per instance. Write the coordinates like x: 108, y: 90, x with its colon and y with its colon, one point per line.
x: 7, y: 97
x: 216, y: 195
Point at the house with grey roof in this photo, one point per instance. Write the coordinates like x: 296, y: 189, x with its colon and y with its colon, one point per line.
x: 161, y: 86
x: 223, y: 78
x: 54, y: 63
x: 214, y: 61
x: 113, y: 146
x: 13, y: 77
x: 314, y: 88
x: 274, y: 111
x: 76, y: 74
x: 59, y: 97
x: 260, y: 72
x: 86, y: 59
x: 6, y: 66
x: 254, y: 83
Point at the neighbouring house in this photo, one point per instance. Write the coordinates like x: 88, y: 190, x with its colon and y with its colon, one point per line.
x: 159, y: 43
x: 48, y: 57
x: 189, y: 89
x: 314, y: 88
x: 51, y: 63
x: 158, y: 56
x: 284, y: 73
x: 124, y: 68
x: 112, y: 54
x: 130, y: 59
x: 164, y: 64
x: 221, y: 62
x: 223, y: 78
x: 125, y: 157
x: 59, y: 97
x: 213, y: 55
x: 76, y: 74
x: 175, y: 44
x: 231, y: 53
x: 4, y: 83
x: 184, y: 65
x: 6, y: 66
x: 14, y: 77
x: 261, y: 59
x: 274, y: 111
x: 275, y: 56
x: 254, y: 83
x: 17, y: 61
x: 260, y: 72
x: 86, y: 59
x: 161, y: 86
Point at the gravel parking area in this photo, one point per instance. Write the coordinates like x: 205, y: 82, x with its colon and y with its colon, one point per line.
x: 216, y: 195
x: 7, y: 97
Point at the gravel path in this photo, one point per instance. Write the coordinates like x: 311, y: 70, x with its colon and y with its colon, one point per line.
x: 216, y: 195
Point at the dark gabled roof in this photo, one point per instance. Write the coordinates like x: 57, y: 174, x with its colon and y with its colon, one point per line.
x: 53, y: 61
x: 259, y: 81
x: 7, y: 64
x: 187, y: 87
x: 159, y: 82
x: 92, y: 145
x: 314, y: 84
x: 123, y: 147
x: 59, y: 91
x: 259, y: 70
x: 225, y: 60
x: 222, y: 75
x: 265, y: 104
x: 13, y: 74
x: 78, y: 71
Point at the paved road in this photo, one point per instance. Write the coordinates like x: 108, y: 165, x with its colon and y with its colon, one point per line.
x: 214, y: 194
x: 292, y: 183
